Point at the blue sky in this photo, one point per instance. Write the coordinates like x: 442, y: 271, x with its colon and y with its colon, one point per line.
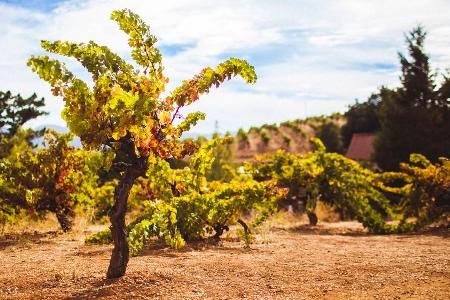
x: 42, y: 5
x: 311, y: 57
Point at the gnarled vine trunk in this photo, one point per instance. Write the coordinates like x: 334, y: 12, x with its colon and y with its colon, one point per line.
x: 65, y: 219
x: 312, y: 218
x: 120, y: 253
x: 131, y: 166
x: 245, y: 226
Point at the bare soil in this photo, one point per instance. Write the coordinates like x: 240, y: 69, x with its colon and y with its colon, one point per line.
x: 290, y: 261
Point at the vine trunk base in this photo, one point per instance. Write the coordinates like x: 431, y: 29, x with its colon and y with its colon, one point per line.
x: 120, y: 254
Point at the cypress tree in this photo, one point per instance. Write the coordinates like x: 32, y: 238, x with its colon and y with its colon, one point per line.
x: 415, y: 117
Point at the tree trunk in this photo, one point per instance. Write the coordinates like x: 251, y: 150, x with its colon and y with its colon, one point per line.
x: 312, y: 218
x: 245, y: 226
x: 219, y: 229
x: 120, y: 253
x: 65, y: 219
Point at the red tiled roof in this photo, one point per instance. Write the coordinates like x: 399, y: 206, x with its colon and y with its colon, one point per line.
x: 361, y: 146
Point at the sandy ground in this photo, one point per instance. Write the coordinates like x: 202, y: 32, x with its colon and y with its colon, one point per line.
x: 330, y: 261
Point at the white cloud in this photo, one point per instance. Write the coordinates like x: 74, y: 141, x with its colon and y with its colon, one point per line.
x: 323, y: 53
x: 233, y: 110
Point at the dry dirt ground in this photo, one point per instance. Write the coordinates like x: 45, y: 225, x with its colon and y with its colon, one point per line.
x: 290, y: 261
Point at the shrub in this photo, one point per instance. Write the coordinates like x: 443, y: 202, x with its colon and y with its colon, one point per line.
x: 265, y: 137
x: 186, y: 206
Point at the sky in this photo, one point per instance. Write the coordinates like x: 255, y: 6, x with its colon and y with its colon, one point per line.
x: 312, y: 57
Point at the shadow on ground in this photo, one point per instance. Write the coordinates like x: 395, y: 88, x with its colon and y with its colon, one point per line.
x: 20, y: 239
x: 439, y: 231
x: 159, y: 248
x: 306, y: 229
x: 120, y: 287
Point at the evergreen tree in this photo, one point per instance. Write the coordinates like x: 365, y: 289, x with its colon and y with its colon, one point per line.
x: 415, y: 117
x: 417, y: 79
x: 329, y: 133
x: 14, y: 112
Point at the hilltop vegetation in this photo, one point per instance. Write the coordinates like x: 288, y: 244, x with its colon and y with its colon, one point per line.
x: 292, y: 136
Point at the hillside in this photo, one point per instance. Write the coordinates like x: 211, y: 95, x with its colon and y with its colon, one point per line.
x: 292, y: 136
